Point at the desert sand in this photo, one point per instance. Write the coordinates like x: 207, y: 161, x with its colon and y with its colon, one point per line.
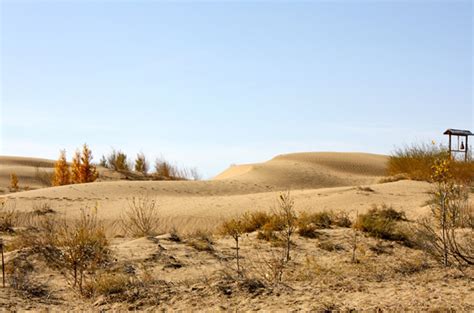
x: 397, y: 279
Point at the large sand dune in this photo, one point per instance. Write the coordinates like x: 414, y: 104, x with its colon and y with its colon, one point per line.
x: 318, y: 181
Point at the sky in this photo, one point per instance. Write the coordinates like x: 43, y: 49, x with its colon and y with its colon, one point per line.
x: 208, y: 84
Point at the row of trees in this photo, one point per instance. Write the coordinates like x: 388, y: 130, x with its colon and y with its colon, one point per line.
x: 80, y: 171
x: 119, y: 161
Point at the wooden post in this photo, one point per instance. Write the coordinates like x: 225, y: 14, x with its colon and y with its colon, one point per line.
x: 450, y: 153
x: 466, y: 149
x: 3, y: 263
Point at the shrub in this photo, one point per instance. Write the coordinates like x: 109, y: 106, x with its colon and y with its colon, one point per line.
x: 252, y: 221
x: 141, y: 218
x: 201, y: 240
x: 106, y: 284
x: 14, y: 182
x: 416, y: 162
x: 62, y: 173
x: 440, y: 235
x: 381, y: 223
x: 84, y: 247
x: 8, y: 216
x: 342, y: 219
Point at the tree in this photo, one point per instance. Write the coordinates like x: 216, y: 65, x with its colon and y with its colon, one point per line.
x: 14, y: 182
x: 88, y: 172
x: 448, y: 234
x: 76, y: 168
x: 141, y: 164
x: 62, y: 173
x: 235, y: 229
x: 117, y: 160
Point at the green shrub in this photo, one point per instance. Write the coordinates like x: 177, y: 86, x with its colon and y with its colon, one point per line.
x: 381, y: 223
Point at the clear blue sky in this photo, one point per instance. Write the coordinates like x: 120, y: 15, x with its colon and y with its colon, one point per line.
x: 208, y: 84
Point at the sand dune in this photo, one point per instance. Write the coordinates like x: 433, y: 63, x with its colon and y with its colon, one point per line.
x: 311, y: 170
x: 318, y: 181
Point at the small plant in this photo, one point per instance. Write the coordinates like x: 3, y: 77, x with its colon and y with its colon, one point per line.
x: 286, y: 216
x: 14, y: 182
x: 235, y: 229
x: 141, y: 218
x: 8, y: 216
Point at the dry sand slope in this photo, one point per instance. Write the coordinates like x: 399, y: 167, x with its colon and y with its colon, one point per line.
x: 318, y: 181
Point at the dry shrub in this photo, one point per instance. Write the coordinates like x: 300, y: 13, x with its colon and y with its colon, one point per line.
x: 42, y: 208
x: 14, y: 187
x: 8, y: 216
x: 106, y: 284
x: 78, y: 247
x: 234, y: 228
x: 165, y: 170
x: 141, y: 218
x: 83, y: 245
x: 253, y: 221
x: 381, y: 223
x: 201, y: 240
x: 342, y: 219
x: 416, y: 162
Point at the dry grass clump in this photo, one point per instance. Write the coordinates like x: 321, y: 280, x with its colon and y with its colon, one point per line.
x: 253, y: 221
x: 8, y: 216
x: 416, y: 162
x: 381, y: 222
x: 106, y: 284
x: 309, y: 223
x: 141, y: 218
x: 19, y: 276
x: 201, y: 240
x: 394, y: 178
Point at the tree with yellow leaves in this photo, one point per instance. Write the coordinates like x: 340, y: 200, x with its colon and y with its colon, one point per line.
x: 76, y: 168
x: 62, y: 173
x: 88, y: 171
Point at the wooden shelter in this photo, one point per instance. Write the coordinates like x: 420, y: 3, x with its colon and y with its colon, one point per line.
x: 462, y: 146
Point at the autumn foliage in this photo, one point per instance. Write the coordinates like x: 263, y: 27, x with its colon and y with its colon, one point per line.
x: 81, y: 171
x: 62, y: 173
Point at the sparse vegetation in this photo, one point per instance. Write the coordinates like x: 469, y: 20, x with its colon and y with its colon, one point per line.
x: 416, y: 162
x: 8, y: 216
x: 117, y: 160
x: 14, y: 182
x: 235, y: 229
x: 141, y: 218
x: 381, y: 222
x: 448, y: 234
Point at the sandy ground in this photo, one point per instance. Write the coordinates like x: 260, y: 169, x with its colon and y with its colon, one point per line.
x: 398, y: 279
